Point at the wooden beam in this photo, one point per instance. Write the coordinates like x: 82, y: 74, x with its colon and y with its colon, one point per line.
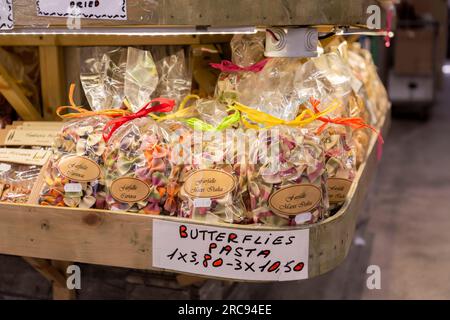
x: 12, y: 92
x: 53, y: 81
x: 229, y: 13
x: 47, y: 270
x: 60, y: 291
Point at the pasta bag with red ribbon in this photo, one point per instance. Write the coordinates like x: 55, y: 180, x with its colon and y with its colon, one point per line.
x: 137, y: 166
x: 286, y: 177
x: 247, y: 59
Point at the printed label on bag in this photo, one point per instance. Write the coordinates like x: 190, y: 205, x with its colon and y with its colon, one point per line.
x: 129, y: 190
x: 202, y: 203
x: 31, y: 137
x: 231, y: 253
x: 209, y: 183
x: 296, y: 199
x: 338, y: 189
x: 6, y: 15
x: 80, y: 169
x: 24, y: 156
x: 5, y: 167
x: 89, y: 9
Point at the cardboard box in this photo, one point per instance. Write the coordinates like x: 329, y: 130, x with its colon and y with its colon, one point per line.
x: 414, y: 52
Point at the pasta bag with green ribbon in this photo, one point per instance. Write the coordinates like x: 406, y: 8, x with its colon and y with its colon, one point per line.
x: 287, y: 177
x: 137, y: 163
x: 74, y: 175
x: 212, y: 176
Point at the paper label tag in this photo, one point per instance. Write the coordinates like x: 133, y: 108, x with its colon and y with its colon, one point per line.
x: 30, y: 137
x: 89, y: 9
x: 80, y: 169
x: 129, y: 190
x: 209, y: 183
x: 6, y: 15
x: 25, y: 156
x: 202, y: 203
x: 5, y: 167
x: 39, y: 125
x: 295, y: 199
x: 338, y: 189
x: 73, y: 187
x: 231, y: 253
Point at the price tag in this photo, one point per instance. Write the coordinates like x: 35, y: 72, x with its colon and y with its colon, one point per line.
x: 6, y: 15
x: 89, y: 9
x: 4, y: 167
x: 73, y: 187
x: 231, y: 253
x: 202, y: 203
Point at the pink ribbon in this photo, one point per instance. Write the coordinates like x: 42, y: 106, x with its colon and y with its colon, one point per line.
x: 228, y: 66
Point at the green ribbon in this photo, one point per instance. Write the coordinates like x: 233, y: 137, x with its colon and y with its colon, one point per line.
x: 226, y: 122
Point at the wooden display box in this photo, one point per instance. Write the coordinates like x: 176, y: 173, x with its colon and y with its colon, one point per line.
x: 125, y: 239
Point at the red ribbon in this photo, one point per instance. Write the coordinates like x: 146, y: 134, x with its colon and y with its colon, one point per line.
x: 228, y: 66
x: 164, y: 105
x: 354, y: 123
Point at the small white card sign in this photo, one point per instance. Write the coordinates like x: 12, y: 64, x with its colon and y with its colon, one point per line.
x: 89, y: 9
x: 231, y: 253
x: 6, y: 15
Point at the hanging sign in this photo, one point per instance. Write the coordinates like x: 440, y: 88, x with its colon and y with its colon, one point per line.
x: 6, y: 15
x: 231, y: 253
x: 89, y: 9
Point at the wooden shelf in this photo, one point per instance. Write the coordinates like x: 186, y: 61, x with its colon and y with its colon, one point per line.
x: 230, y: 13
x: 125, y: 240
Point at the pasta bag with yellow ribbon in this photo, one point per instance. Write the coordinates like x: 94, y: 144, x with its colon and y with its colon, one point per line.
x: 285, y: 169
x: 136, y: 162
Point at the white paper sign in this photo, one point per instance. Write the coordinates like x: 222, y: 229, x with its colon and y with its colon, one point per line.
x: 231, y: 253
x: 89, y: 9
x: 6, y: 15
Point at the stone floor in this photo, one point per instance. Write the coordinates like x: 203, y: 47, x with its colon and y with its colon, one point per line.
x: 404, y: 230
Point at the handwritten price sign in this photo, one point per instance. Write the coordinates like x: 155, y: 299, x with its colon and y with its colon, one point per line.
x: 6, y: 15
x: 231, y: 253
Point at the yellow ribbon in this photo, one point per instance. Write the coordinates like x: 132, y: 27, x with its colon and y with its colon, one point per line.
x: 81, y: 112
x: 182, y: 112
x: 252, y: 117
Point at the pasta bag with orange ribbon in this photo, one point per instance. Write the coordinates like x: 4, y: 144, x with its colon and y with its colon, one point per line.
x: 286, y: 177
x: 74, y: 174
x: 137, y: 169
x: 320, y: 81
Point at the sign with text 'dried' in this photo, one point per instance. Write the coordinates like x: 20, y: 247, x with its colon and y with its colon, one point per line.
x: 88, y: 9
x: 231, y: 253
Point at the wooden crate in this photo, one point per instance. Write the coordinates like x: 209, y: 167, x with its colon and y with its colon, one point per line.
x: 125, y: 239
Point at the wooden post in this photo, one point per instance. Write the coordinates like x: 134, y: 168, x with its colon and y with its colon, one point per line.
x: 53, y: 80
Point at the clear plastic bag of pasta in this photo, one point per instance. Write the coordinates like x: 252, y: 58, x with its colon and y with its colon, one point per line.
x: 17, y: 181
x: 74, y: 177
x: 213, y: 181
x: 138, y: 170
x: 286, y: 177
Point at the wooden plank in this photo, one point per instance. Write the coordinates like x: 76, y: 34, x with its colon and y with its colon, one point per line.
x: 125, y: 240
x: 217, y: 13
x: 12, y: 92
x: 53, y: 82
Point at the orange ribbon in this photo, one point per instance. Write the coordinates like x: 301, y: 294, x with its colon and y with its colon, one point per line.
x: 81, y: 112
x: 354, y: 123
x: 164, y: 105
